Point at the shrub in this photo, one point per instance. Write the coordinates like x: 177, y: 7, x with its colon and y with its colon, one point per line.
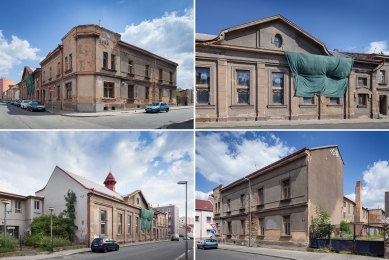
x: 43, y: 242
x: 345, y: 228
x: 9, y: 245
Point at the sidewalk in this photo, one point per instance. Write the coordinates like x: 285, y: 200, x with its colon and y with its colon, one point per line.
x: 294, y: 255
x: 108, y: 113
x: 46, y: 255
x: 242, y: 124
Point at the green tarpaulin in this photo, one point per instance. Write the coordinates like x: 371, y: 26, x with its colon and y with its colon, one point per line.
x: 146, y: 217
x: 30, y: 85
x: 319, y: 75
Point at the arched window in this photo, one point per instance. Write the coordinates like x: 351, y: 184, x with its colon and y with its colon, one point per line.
x: 278, y: 41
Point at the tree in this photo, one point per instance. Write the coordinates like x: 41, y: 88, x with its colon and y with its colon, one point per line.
x: 321, y: 222
x: 345, y: 228
x: 41, y: 225
x: 68, y: 216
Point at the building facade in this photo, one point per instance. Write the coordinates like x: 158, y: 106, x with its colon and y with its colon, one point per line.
x: 100, y: 210
x: 243, y: 74
x: 173, y: 219
x: 20, y: 212
x: 284, y: 196
x: 92, y: 70
x: 181, y: 220
x: 203, y: 219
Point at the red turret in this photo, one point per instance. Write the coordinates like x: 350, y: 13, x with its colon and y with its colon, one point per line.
x: 110, y: 182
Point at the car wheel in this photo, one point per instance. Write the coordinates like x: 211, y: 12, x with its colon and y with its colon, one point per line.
x: 167, y: 110
x: 117, y: 248
x: 105, y: 250
x: 158, y: 111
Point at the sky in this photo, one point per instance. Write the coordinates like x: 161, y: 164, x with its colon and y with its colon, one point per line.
x: 162, y: 27
x: 150, y: 161
x: 223, y: 157
x: 346, y: 25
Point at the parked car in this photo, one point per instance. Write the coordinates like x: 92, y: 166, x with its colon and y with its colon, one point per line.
x: 35, y: 106
x: 12, y: 101
x: 104, y: 245
x: 18, y: 102
x: 157, y: 107
x: 207, y: 243
x: 24, y: 103
x: 174, y: 238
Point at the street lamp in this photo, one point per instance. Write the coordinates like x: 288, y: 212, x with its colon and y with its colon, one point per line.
x: 186, y: 216
x: 51, y: 226
x: 5, y: 202
x: 249, y: 210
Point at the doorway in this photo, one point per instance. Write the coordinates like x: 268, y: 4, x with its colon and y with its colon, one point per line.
x: 383, y: 105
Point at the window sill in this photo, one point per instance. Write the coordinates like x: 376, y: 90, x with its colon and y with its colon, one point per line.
x: 382, y: 84
x: 361, y: 106
x: 67, y: 99
x: 228, y: 212
x: 260, y: 206
x: 242, y: 209
x: 261, y: 237
x: 147, y: 78
x: 113, y: 70
x: 108, y: 98
x: 285, y: 236
x: 205, y: 106
x: 160, y: 81
x: 217, y: 214
x: 277, y: 106
x: 334, y: 105
x: 287, y: 199
x: 308, y: 105
x: 50, y: 79
x: 242, y: 106
x: 58, y: 75
x: 68, y: 71
x: 131, y: 74
x: 171, y: 82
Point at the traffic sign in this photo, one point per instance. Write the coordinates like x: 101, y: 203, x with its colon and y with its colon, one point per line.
x: 52, y: 90
x: 213, y: 226
x: 213, y: 231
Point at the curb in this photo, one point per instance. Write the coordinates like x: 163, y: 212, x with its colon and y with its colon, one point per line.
x: 186, y: 120
x: 256, y: 253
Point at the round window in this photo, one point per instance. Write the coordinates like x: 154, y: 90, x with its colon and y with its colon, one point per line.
x: 278, y: 41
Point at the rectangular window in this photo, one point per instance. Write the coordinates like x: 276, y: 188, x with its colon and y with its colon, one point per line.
x: 334, y: 101
x: 147, y: 71
x: 147, y: 93
x: 278, y: 88
x: 119, y: 224
x: 242, y: 201
x: 286, y: 189
x: 382, y: 76
x: 105, y: 60
x: 36, y: 207
x: 59, y: 69
x: 44, y: 76
x: 362, y: 81
x: 261, y: 230
x: 112, y: 61
x: 136, y: 225
x: 362, y: 100
x: 18, y: 208
x: 243, y: 87
x: 196, y: 218
x: 209, y: 232
x: 209, y: 219
x: 130, y: 91
x: 129, y: 224
x: 160, y: 74
x: 103, y: 219
x: 344, y: 204
x: 286, y: 220
x: 308, y: 100
x: 68, y: 87
x: 228, y: 205
x: 130, y: 67
x: 202, y: 85
x: 58, y: 92
x: 219, y: 207
x: 260, y: 196
x: 70, y: 61
x: 242, y: 228
x: 66, y: 63
x: 171, y: 77
x: 50, y: 72
x: 108, y: 90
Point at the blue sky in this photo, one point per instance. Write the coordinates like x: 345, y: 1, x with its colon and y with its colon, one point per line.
x: 151, y: 161
x: 223, y: 157
x: 30, y: 29
x: 346, y: 25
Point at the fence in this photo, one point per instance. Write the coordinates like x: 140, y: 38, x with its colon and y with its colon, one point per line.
x: 358, y: 238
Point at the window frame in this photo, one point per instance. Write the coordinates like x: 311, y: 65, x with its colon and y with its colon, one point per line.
x: 129, y: 224
x: 235, y: 88
x: 103, y: 222
x: 119, y: 224
x: 228, y: 205
x: 209, y: 219
x: 286, y: 225
x: 105, y: 60
x: 68, y: 87
x: 261, y: 197
x: 130, y: 67
x: 283, y: 188
x: 113, y: 61
x: 364, y: 98
x: 110, y: 86
x: 204, y: 87
x: 261, y: 227
x: 66, y: 63
x: 273, y: 40
x: 243, y: 227
x: 37, y: 206
x: 197, y: 218
x: 286, y: 83
x: 243, y: 201
x: 147, y: 72
x: 70, y: 61
x: 59, y: 69
x: 18, y: 206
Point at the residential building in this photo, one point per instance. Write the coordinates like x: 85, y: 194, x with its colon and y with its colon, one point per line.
x: 284, y: 196
x: 244, y: 73
x: 101, y: 211
x: 29, y: 83
x: 173, y: 218
x: 204, y: 218
x: 93, y: 70
x: 20, y: 212
x: 181, y: 221
x: 4, y: 84
x: 161, y: 224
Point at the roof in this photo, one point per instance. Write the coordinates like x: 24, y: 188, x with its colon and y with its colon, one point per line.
x: 90, y: 185
x: 13, y: 195
x: 204, y: 205
x: 362, y: 56
x: 204, y: 37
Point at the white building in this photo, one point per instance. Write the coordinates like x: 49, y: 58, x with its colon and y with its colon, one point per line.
x: 182, y: 221
x: 203, y: 219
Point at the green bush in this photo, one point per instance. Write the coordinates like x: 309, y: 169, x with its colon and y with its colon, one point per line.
x: 345, y: 228
x: 43, y: 242
x: 9, y: 245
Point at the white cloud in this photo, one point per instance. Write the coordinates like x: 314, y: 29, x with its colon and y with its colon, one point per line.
x: 378, y: 47
x: 156, y: 163
x: 172, y: 37
x: 199, y: 195
x: 375, y: 185
x: 223, y: 162
x: 14, y: 52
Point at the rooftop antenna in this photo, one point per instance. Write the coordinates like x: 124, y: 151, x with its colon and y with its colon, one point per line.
x: 99, y: 21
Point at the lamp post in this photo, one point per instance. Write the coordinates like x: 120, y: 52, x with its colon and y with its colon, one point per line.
x: 51, y: 226
x: 249, y: 210
x: 5, y: 202
x: 186, y: 216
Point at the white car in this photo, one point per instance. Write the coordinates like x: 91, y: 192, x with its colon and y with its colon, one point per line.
x: 24, y: 103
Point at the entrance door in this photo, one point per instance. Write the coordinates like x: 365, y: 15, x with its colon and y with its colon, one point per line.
x: 383, y: 105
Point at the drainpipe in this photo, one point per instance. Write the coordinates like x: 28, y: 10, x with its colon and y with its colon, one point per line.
x: 249, y: 210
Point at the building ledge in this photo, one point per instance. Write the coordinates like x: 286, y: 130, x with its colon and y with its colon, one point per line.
x: 242, y: 106
x: 361, y: 106
x: 287, y: 199
x: 113, y: 70
x: 68, y: 71
x: 277, y: 106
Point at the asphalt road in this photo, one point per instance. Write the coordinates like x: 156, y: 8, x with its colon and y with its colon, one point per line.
x: 220, y: 254
x: 169, y: 250
x: 12, y: 117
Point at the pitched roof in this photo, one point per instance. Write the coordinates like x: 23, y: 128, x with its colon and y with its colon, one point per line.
x: 204, y: 205
x: 204, y: 37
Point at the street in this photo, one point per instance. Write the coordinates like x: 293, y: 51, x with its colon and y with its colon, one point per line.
x: 12, y: 117
x: 213, y: 254
x: 155, y: 251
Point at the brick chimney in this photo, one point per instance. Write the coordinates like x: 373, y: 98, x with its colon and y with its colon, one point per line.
x: 358, y: 202
x: 110, y: 182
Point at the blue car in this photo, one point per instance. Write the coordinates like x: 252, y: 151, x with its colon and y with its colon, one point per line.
x: 207, y: 243
x: 157, y: 107
x: 104, y: 245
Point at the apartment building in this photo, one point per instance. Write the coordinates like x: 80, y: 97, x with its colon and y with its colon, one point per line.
x: 203, y: 219
x: 173, y: 218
